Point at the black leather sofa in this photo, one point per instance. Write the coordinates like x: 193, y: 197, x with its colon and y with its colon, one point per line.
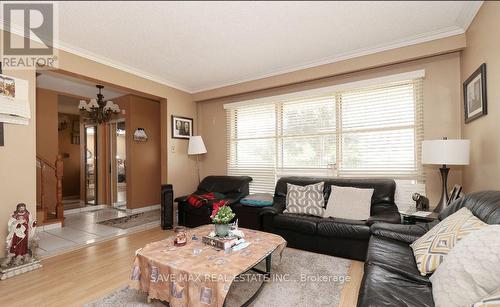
x: 332, y: 236
x: 233, y: 187
x: 391, y: 276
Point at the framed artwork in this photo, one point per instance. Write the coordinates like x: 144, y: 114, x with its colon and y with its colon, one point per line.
x: 475, y: 99
x: 182, y: 127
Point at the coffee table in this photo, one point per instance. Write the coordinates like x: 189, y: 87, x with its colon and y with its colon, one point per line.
x: 198, y: 274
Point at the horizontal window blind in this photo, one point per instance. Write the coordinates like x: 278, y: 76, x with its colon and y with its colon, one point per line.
x: 374, y: 131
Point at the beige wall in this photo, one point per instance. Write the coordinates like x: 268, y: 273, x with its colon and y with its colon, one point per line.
x: 17, y: 163
x: 441, y: 110
x: 143, y: 158
x: 46, y: 124
x: 47, y: 146
x: 483, y: 46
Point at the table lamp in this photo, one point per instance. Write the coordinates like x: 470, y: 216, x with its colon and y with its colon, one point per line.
x: 196, y: 147
x: 445, y: 152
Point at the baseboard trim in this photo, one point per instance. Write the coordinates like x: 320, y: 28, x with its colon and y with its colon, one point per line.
x: 85, y: 209
x: 143, y: 209
x: 56, y: 225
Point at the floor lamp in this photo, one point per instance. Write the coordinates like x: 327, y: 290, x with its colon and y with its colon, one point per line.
x: 445, y: 152
x: 196, y: 147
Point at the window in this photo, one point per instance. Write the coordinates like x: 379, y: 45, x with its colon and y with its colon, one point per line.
x: 371, y: 131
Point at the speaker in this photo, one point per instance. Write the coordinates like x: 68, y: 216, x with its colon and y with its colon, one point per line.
x: 167, y: 206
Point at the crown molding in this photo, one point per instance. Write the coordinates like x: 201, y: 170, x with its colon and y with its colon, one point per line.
x: 84, y: 53
x: 423, y: 38
x: 467, y: 14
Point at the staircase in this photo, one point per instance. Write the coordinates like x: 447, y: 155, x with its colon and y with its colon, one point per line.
x: 49, y: 207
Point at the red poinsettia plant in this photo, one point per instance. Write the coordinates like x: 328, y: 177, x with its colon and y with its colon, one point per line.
x: 221, y: 214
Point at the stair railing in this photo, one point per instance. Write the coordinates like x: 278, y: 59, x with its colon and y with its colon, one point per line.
x: 57, y: 167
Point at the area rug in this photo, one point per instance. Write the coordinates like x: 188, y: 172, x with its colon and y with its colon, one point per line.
x: 300, y: 279
x: 133, y: 220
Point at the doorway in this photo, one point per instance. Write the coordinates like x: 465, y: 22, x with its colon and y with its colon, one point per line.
x: 118, y: 164
x: 90, y: 164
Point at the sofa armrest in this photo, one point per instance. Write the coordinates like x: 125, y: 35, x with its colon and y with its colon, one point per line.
x: 231, y: 201
x: 181, y: 199
x: 279, y: 205
x: 391, y: 217
x: 399, y: 232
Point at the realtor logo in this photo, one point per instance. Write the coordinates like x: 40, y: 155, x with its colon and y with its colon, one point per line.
x: 29, y: 35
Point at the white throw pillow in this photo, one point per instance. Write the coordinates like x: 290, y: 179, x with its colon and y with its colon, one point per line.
x: 470, y: 271
x: 349, y: 203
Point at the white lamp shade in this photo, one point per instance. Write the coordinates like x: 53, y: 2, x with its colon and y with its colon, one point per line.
x: 446, y: 152
x: 109, y: 105
x: 82, y: 105
x: 93, y: 103
x: 196, y: 145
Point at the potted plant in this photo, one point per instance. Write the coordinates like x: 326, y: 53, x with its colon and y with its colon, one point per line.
x: 221, y: 216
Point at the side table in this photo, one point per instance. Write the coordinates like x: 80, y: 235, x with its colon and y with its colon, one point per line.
x: 411, y: 218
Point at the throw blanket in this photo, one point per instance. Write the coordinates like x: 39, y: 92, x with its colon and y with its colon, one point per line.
x: 199, y: 200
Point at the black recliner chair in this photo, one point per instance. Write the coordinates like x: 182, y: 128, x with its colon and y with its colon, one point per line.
x: 233, y: 187
x: 391, y: 276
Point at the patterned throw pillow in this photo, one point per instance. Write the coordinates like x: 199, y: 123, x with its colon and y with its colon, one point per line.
x: 470, y: 272
x: 430, y: 249
x: 305, y: 200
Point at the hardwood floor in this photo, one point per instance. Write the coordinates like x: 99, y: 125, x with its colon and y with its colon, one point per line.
x: 84, y: 275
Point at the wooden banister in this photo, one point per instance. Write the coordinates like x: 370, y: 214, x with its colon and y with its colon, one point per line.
x: 58, y: 171
x: 59, y: 175
x: 46, y: 162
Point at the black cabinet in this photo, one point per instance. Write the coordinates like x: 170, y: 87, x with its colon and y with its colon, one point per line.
x: 167, y: 206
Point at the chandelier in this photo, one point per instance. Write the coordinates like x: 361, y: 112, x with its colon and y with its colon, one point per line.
x: 98, y: 111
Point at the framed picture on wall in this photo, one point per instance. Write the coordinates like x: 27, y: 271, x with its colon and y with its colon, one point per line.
x: 182, y: 127
x: 475, y: 99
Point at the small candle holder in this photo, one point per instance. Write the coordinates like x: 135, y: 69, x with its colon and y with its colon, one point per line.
x: 180, y: 236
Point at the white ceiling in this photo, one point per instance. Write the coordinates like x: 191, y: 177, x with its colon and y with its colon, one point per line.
x: 197, y: 46
x: 70, y: 85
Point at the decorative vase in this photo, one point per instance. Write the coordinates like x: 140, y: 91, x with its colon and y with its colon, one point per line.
x: 221, y: 230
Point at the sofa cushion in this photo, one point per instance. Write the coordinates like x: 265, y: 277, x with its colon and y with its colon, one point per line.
x: 471, y: 270
x: 381, y: 287
x: 343, y: 228
x: 394, y: 256
x: 384, y: 189
x: 225, y: 184
x: 298, y: 223
x: 205, y: 210
x: 349, y: 203
x: 485, y: 205
x: 305, y: 199
x: 431, y: 248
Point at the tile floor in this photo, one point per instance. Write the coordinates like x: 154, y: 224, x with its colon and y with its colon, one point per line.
x: 81, y: 229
